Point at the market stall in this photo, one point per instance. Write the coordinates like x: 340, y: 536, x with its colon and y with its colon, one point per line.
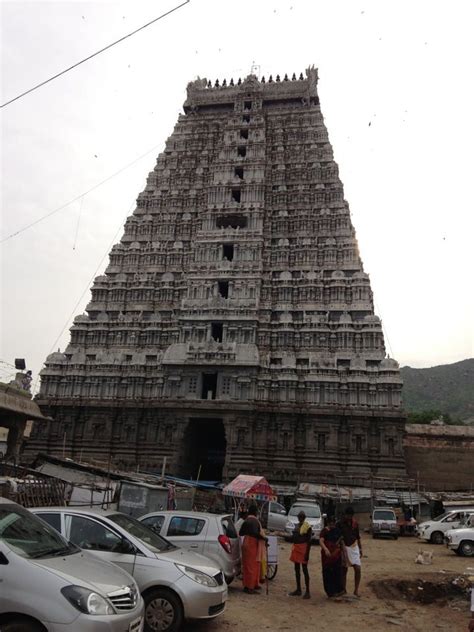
x: 244, y: 489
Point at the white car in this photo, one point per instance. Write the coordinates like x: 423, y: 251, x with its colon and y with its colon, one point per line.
x: 175, y: 584
x: 49, y: 584
x: 274, y: 516
x: 434, y: 530
x: 313, y: 516
x: 212, y: 535
x: 461, y: 540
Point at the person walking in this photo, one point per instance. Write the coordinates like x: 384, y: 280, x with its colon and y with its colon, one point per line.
x: 253, y: 542
x: 330, y: 540
x: 300, y: 554
x: 352, y: 548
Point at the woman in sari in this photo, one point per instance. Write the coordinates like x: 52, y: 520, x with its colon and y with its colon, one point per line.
x: 330, y: 540
x: 253, y: 547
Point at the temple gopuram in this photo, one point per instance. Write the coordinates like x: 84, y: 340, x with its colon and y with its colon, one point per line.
x: 233, y: 329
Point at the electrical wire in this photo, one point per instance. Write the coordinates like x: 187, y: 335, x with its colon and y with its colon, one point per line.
x: 78, y: 222
x: 8, y: 364
x: 89, y: 283
x: 384, y: 328
x: 63, y: 72
x: 78, y: 197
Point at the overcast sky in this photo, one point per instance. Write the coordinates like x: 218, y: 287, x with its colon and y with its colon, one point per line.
x: 396, y: 92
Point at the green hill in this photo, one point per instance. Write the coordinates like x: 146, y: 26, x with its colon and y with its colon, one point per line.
x: 447, y: 389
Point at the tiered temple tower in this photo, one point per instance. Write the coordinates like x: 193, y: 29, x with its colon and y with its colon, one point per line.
x: 234, y: 329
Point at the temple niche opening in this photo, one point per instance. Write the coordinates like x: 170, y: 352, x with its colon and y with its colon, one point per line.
x: 204, y: 449
x: 233, y: 329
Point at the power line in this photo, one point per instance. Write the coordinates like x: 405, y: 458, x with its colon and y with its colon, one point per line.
x: 78, y: 222
x: 63, y: 72
x: 384, y: 328
x: 78, y: 197
x: 89, y: 282
x: 8, y: 363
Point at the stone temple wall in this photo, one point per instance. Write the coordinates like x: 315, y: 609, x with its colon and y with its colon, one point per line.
x: 234, y: 326
x: 440, y: 457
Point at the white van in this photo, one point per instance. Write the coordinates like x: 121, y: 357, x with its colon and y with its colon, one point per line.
x: 47, y: 583
x: 313, y: 514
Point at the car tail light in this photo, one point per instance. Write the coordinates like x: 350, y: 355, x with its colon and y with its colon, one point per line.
x: 225, y: 543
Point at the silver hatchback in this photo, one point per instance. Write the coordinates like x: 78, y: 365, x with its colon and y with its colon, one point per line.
x: 210, y: 534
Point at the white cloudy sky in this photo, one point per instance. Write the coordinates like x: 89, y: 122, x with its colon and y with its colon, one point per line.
x: 403, y: 67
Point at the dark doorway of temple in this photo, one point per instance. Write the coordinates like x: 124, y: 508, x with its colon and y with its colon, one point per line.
x: 205, y: 447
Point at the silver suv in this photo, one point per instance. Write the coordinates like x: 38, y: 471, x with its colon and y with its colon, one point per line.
x: 210, y: 534
x: 175, y: 584
x: 47, y: 583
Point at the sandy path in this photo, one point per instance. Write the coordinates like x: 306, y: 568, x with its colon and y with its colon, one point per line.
x: 384, y: 559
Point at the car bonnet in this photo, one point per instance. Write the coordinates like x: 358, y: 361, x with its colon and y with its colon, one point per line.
x: 187, y: 558
x: 83, y: 569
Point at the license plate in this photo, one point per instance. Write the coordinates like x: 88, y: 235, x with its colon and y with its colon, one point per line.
x: 135, y: 626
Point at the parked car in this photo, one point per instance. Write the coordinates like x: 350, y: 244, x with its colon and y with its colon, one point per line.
x: 313, y: 516
x: 49, y: 584
x: 274, y: 516
x: 461, y: 540
x: 175, y: 584
x: 434, y: 530
x: 211, y: 535
x: 384, y: 522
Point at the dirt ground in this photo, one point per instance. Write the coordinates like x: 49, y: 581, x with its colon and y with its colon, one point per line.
x: 391, y: 585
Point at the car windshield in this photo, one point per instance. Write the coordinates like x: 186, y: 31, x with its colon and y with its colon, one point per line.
x: 441, y: 517
x: 384, y: 515
x: 143, y: 533
x: 311, y: 511
x: 29, y: 536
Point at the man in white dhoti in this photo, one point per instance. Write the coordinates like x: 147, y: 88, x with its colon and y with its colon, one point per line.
x: 352, y: 548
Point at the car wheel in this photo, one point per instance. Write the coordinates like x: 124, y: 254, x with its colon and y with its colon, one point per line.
x: 437, y: 537
x: 395, y: 537
x: 163, y: 611
x: 21, y: 625
x: 375, y: 536
x: 467, y: 548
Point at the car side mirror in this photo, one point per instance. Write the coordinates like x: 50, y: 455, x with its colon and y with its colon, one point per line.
x: 325, y: 516
x: 3, y: 559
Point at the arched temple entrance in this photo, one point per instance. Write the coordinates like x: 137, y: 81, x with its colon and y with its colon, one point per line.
x: 204, y: 449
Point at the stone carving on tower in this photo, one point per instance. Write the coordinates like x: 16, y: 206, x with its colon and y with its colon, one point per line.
x: 234, y: 327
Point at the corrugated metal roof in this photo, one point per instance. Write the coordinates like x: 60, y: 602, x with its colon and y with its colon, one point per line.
x: 350, y: 494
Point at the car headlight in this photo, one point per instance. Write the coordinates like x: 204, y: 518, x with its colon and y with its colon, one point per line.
x: 87, y: 601
x: 198, y: 576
